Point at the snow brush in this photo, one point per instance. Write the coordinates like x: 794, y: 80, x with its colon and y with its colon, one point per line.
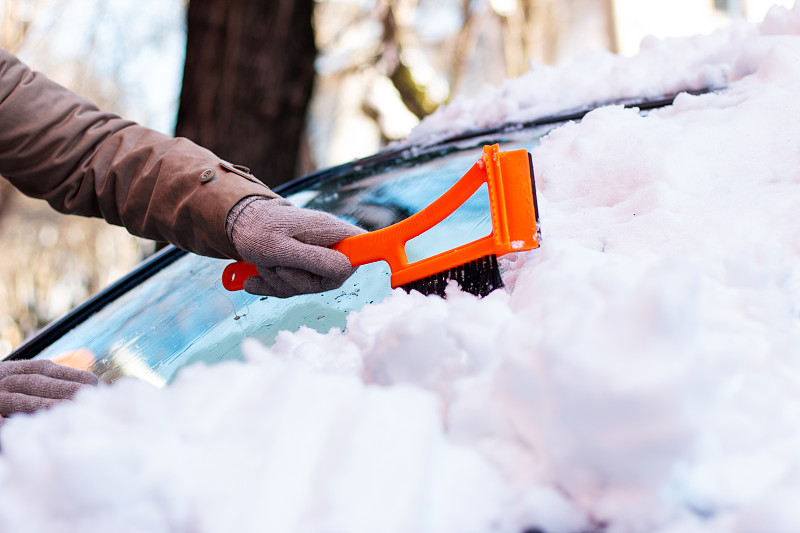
x: 474, y: 266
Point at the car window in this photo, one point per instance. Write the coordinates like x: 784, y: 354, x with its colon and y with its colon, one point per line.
x: 182, y: 314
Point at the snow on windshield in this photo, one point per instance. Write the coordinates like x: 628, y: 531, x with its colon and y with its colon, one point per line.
x: 642, y: 374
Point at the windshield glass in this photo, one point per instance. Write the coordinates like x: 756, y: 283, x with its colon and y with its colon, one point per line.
x: 182, y: 314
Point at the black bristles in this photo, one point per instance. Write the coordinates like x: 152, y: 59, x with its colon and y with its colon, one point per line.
x: 478, y: 277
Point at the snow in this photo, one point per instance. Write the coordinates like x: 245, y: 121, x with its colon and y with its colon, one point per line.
x: 662, y: 66
x: 642, y: 374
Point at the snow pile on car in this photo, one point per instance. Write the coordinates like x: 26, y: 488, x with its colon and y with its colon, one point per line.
x: 662, y: 67
x: 642, y: 374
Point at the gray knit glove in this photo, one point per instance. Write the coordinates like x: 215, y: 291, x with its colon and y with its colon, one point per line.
x: 27, y: 386
x: 289, y: 246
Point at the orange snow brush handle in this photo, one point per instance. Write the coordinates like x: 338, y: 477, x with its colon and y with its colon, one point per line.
x: 509, y: 177
x: 235, y: 274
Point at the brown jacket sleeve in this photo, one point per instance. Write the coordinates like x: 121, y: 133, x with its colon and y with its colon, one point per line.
x: 59, y: 146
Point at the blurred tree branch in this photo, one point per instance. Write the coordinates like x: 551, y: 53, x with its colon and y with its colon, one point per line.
x: 463, y: 48
x: 15, y: 23
x: 413, y: 95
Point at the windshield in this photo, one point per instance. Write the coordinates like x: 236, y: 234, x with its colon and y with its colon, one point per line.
x: 182, y: 314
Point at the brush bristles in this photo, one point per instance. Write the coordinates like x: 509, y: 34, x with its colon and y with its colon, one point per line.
x: 478, y: 277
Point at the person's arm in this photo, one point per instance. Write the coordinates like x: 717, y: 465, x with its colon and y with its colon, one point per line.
x: 59, y: 146
x: 56, y: 145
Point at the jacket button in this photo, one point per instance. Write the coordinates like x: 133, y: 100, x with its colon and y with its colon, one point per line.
x: 207, y: 175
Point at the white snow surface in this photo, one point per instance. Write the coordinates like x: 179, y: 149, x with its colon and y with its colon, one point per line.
x: 642, y: 373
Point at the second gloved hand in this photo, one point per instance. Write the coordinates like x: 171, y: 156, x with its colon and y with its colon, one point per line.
x: 27, y: 386
x: 290, y: 246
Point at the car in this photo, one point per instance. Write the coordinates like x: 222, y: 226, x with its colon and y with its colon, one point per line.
x: 172, y: 311
x: 639, y: 374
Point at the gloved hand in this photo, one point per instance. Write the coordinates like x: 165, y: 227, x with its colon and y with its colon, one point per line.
x: 289, y: 246
x: 27, y: 386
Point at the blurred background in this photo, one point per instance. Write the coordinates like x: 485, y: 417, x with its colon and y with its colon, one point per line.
x: 282, y: 86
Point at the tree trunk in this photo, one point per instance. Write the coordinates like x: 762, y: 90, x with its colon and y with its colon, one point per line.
x: 247, y: 81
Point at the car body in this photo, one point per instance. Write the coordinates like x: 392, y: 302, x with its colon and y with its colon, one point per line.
x: 172, y: 310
